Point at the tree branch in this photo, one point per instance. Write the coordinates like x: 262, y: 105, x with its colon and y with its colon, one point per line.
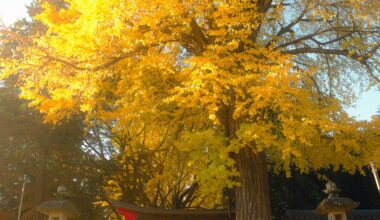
x: 196, y: 41
x: 318, y: 51
x: 110, y: 63
x: 263, y: 7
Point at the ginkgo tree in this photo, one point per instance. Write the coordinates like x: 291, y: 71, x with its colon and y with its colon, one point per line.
x: 239, y: 84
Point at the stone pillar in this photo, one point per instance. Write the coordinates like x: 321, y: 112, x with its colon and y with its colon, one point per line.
x: 335, y: 207
x: 57, y: 216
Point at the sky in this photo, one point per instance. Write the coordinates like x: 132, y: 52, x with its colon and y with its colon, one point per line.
x: 365, y: 107
x: 10, y: 10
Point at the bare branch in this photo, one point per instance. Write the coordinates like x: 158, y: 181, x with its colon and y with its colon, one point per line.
x: 305, y: 50
x: 299, y: 40
x: 371, y: 73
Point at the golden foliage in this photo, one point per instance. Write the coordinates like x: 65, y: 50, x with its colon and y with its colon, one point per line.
x: 196, y: 68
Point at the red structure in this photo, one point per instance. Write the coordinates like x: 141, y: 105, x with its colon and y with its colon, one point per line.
x: 132, y: 212
x: 128, y: 215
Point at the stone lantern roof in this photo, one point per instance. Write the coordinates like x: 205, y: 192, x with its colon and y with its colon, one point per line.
x: 333, y: 202
x: 311, y: 215
x: 60, y: 205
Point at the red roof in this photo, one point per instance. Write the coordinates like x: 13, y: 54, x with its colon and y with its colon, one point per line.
x: 131, y: 212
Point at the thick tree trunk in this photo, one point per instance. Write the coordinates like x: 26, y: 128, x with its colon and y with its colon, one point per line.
x: 252, y: 197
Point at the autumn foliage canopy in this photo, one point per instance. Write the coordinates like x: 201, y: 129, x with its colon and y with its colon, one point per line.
x: 208, y: 78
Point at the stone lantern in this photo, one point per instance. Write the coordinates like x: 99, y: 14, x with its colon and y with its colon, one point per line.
x: 333, y: 206
x: 59, y: 209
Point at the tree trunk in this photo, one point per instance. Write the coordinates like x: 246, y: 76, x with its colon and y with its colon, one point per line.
x: 252, y: 196
x: 252, y: 199
x: 40, y: 184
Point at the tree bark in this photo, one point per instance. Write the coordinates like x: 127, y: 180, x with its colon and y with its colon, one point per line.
x: 252, y: 196
x: 40, y: 184
x: 252, y: 199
